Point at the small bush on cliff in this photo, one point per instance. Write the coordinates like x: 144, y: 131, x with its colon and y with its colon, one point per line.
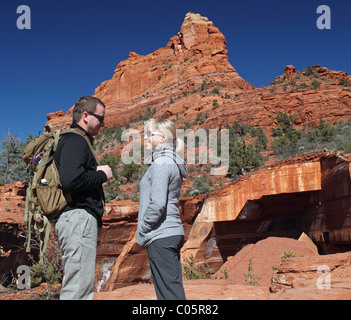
x: 109, y: 135
x: 112, y: 190
x: 286, y: 137
x: 130, y: 171
x: 326, y: 131
x: 309, y: 71
x: 243, y: 158
x: 327, y: 137
x: 345, y: 83
x: 261, y: 139
x: 225, y: 273
x: 315, y: 84
x: 287, y: 255
x: 45, y: 273
x: 290, y: 142
x: 111, y: 160
x: 201, y: 185
x: 51, y: 271
x: 250, y: 278
x: 191, y: 270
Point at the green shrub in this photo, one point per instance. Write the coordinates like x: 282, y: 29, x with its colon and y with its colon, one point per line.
x: 215, y: 91
x: 250, y: 278
x: 129, y: 171
x: 243, y: 158
x: 201, y: 185
x: 286, y: 138
x: 309, y: 71
x: 191, y: 270
x: 345, y: 82
x: 111, y: 160
x: 261, y: 139
x: 315, y: 84
x: 327, y: 131
x: 111, y: 190
x: 287, y: 255
x: 45, y: 273
x: 225, y: 273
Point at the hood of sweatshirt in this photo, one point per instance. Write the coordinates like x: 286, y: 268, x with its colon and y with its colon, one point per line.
x: 165, y: 151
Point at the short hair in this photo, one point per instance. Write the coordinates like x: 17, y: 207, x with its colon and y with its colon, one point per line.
x: 168, y: 128
x: 86, y: 103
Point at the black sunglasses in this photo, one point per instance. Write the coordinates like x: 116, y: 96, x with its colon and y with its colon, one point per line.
x: 100, y: 118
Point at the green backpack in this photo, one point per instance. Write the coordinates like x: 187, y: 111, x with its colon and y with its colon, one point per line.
x: 45, y: 199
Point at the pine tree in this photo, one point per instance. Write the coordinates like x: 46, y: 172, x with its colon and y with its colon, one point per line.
x: 12, y: 166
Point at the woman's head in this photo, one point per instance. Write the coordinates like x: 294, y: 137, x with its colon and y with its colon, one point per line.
x: 158, y: 131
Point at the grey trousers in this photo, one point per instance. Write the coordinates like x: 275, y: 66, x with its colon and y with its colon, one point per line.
x: 77, y: 233
x: 166, y: 269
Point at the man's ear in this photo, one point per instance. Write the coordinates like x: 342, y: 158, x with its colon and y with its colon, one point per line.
x: 85, y: 117
x: 83, y: 120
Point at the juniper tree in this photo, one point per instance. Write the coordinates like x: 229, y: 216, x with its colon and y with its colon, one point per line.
x: 12, y: 166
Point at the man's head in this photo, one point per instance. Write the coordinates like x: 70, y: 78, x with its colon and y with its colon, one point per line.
x: 89, y: 113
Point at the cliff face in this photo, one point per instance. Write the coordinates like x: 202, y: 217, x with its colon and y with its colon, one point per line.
x: 191, y: 75
x: 197, y: 53
x: 197, y: 50
x: 12, y: 203
x: 308, y: 195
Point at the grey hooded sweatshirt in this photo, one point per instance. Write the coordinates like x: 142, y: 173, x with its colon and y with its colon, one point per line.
x: 159, y: 196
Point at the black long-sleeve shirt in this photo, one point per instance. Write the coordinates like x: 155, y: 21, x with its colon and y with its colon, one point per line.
x: 77, y: 165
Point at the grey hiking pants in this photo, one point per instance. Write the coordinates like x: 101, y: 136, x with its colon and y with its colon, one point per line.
x: 166, y: 269
x: 77, y: 233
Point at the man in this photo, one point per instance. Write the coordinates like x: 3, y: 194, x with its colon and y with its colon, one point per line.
x: 78, y: 225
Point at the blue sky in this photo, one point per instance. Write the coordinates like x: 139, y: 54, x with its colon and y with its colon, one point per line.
x: 74, y: 45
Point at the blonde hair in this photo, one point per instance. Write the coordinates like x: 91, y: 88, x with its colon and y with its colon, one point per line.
x: 168, y: 128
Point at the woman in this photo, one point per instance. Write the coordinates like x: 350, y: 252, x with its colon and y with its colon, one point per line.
x: 160, y: 229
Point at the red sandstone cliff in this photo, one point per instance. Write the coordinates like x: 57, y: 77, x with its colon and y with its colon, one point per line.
x: 198, y: 53
x: 186, y: 77
x: 310, y: 194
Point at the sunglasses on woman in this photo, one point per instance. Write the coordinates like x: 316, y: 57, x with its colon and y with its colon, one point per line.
x: 153, y: 133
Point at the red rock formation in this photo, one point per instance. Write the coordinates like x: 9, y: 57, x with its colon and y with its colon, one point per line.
x: 11, y: 198
x: 310, y: 277
x: 117, y: 259
x: 12, y: 253
x: 283, y: 200
x: 264, y: 255
x: 321, y: 277
x: 196, y: 54
x: 120, y: 261
x: 307, y: 194
x: 182, y: 80
x: 289, y: 198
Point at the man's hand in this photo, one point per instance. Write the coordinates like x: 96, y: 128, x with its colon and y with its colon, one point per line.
x: 105, y: 169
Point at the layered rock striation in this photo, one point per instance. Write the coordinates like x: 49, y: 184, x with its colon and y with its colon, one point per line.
x: 191, y: 81
x: 12, y: 253
x: 197, y: 53
x: 308, y: 195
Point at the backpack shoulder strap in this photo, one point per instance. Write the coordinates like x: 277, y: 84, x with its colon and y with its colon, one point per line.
x: 81, y: 133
